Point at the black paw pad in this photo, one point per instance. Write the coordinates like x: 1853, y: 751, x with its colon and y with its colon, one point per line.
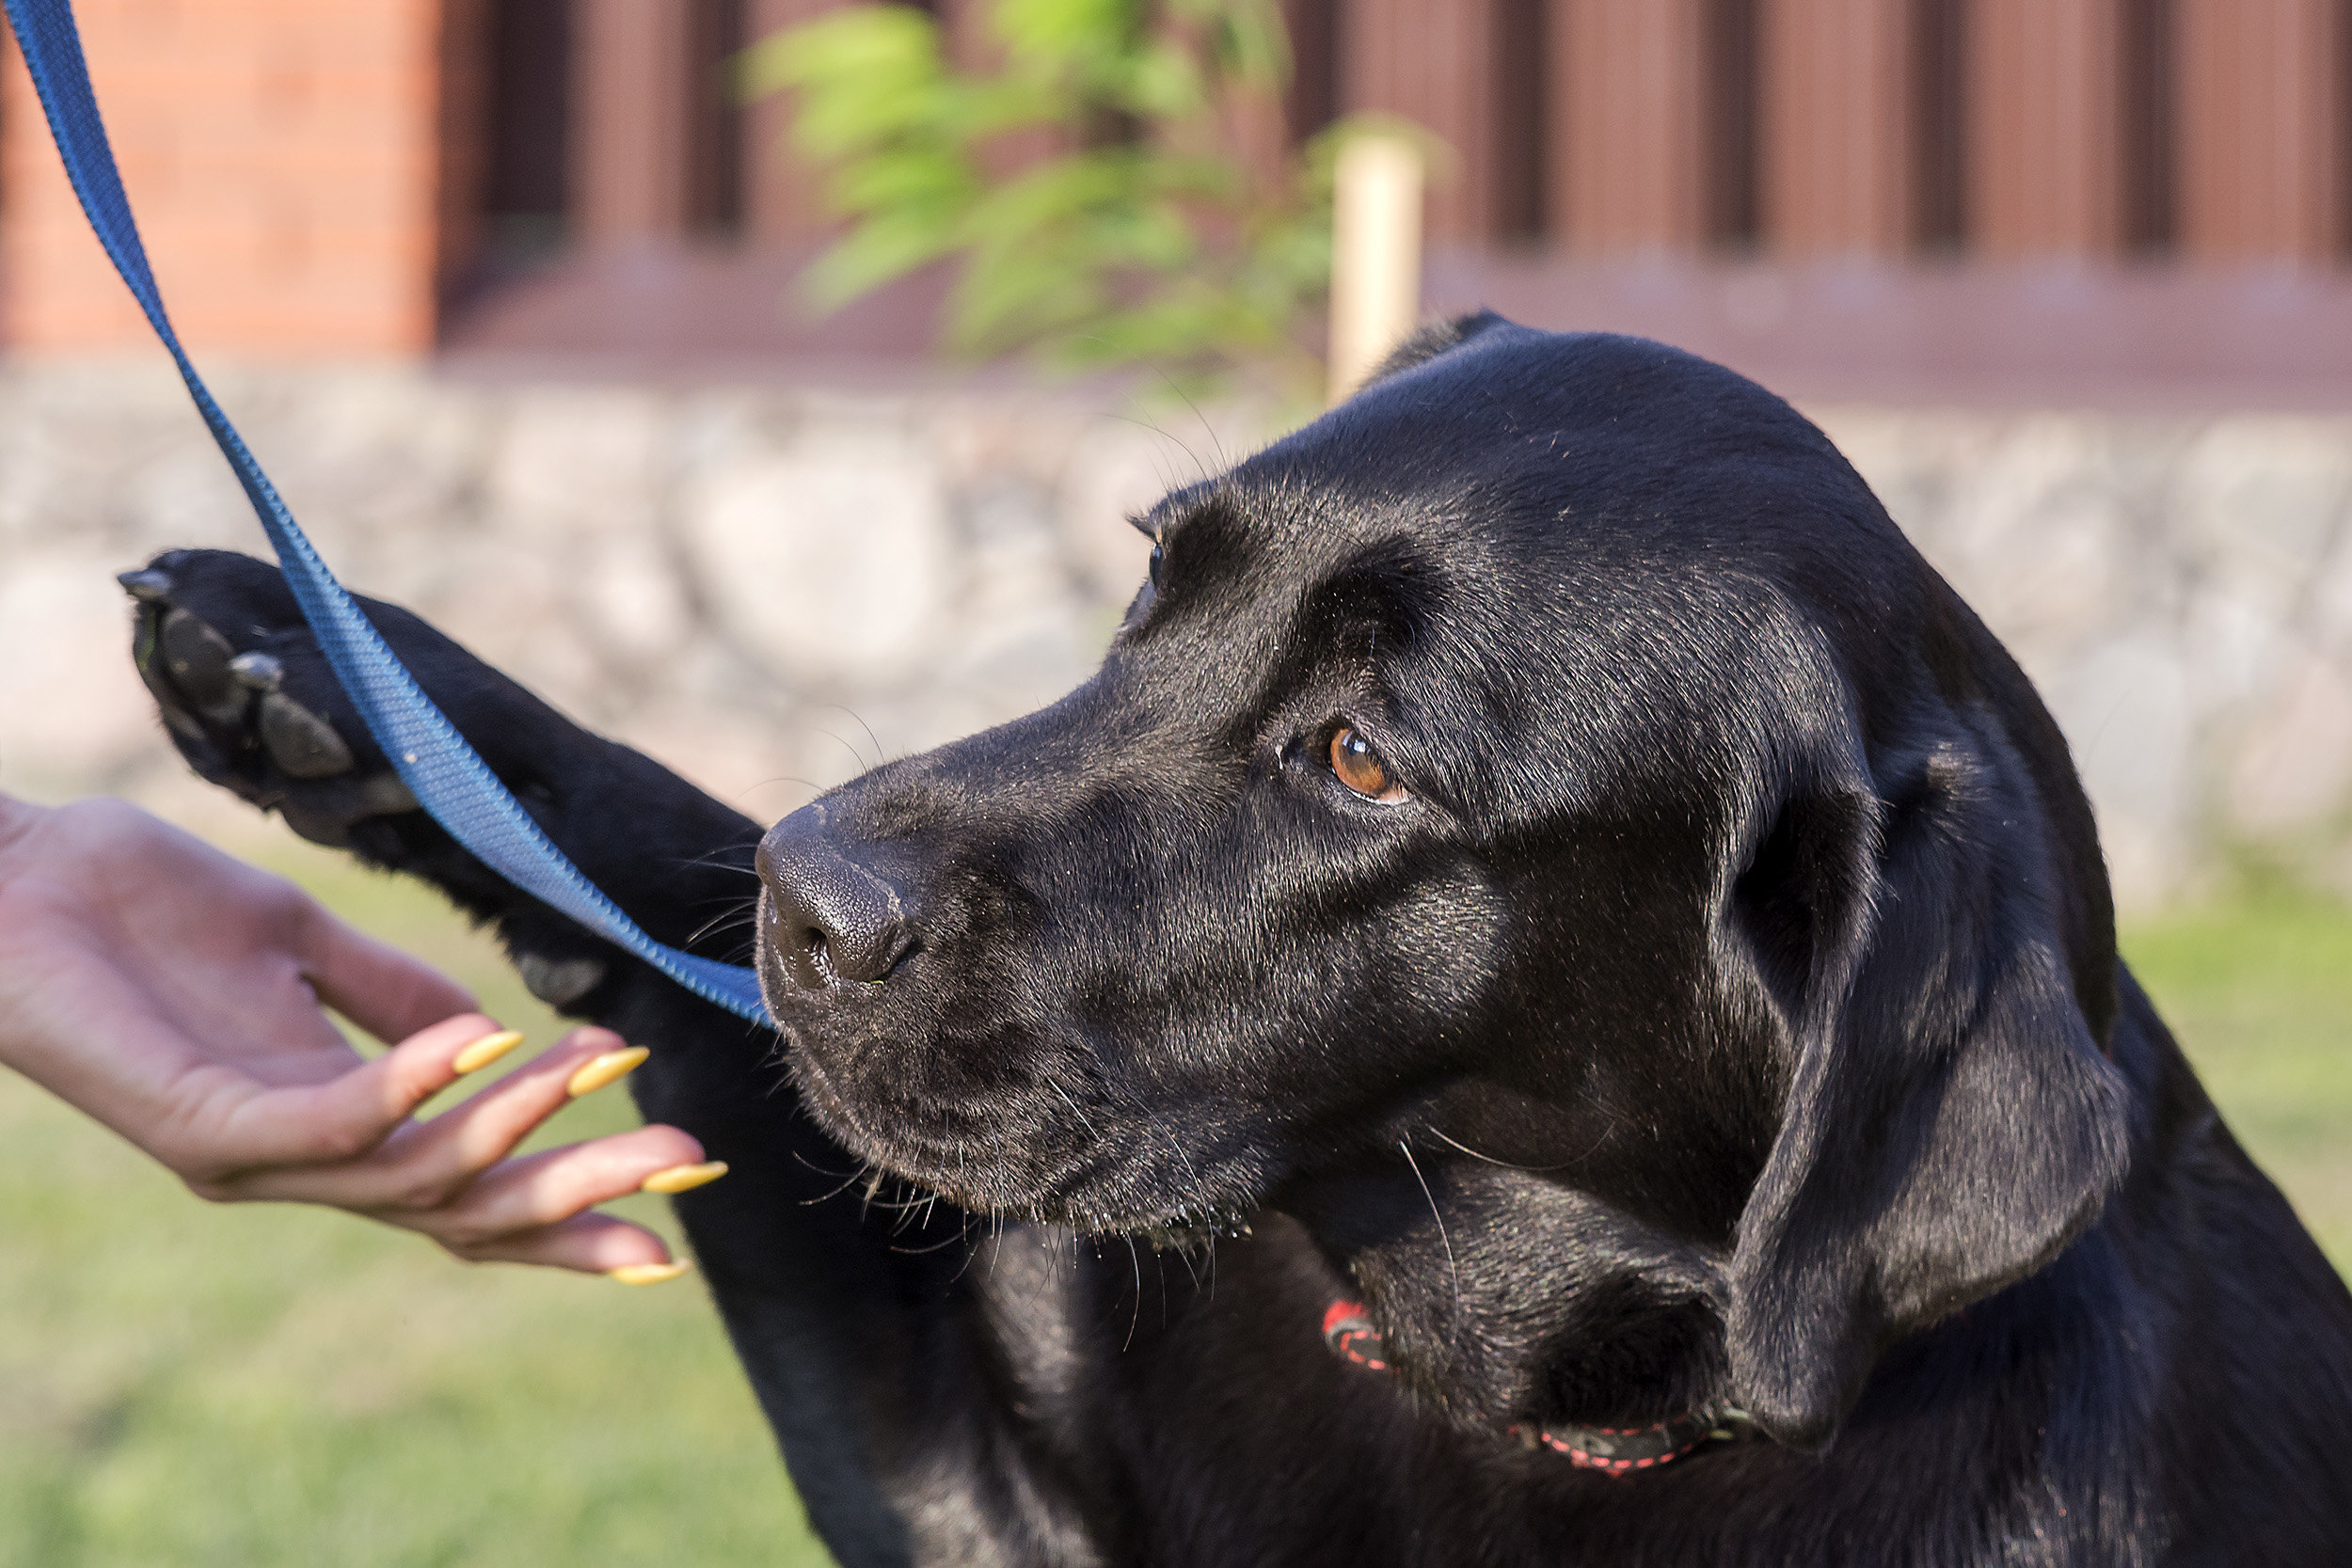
x: 329, y: 829
x: 301, y: 743
x: 230, y: 712
x: 197, y: 659
x: 559, y: 982
x: 384, y: 794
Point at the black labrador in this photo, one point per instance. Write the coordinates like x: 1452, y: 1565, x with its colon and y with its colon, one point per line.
x: 1553, y: 1001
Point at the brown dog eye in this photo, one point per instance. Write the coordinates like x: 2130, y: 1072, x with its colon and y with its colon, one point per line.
x: 1359, y: 768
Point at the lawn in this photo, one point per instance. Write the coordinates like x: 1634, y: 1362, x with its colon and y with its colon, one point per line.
x: 2259, y: 991
x: 188, y: 1386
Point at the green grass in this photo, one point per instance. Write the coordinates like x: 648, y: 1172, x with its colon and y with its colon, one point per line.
x: 186, y: 1384
x: 2259, y: 991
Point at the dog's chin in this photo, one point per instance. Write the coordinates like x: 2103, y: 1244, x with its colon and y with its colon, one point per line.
x: 990, y: 1188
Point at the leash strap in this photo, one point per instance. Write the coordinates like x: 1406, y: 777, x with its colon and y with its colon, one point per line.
x: 447, y: 776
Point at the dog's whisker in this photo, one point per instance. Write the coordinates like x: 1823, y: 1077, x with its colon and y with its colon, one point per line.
x: 810, y: 785
x: 728, y: 858
x: 732, y: 920
x: 1153, y: 427
x: 1490, y: 1159
x: 925, y: 1251
x: 855, y: 755
x: 1135, y: 1314
x: 971, y: 1248
x: 848, y: 1181
x: 881, y: 756
x: 1454, y: 1268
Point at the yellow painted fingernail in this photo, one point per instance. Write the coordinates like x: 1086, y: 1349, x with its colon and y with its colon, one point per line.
x: 610, y: 1068
x: 647, y: 1274
x: 684, y: 1178
x: 488, y: 1049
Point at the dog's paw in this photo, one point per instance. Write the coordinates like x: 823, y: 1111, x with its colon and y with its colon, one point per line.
x: 248, y: 698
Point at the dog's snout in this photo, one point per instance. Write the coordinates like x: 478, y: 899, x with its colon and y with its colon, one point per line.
x: 830, y: 919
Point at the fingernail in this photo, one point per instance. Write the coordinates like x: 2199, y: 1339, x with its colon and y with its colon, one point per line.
x: 683, y: 1178
x: 610, y: 1068
x: 647, y: 1274
x: 488, y: 1049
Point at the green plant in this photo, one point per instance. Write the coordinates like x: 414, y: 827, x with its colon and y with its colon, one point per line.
x: 1091, y: 182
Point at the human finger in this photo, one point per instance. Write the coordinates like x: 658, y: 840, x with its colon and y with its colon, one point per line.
x: 340, y: 1120
x: 549, y: 1187
x: 590, y: 1243
x: 425, y: 1165
x: 390, y: 993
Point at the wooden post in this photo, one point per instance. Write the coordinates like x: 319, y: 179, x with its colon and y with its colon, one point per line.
x: 2262, y: 104
x: 1627, y: 143
x: 1376, y: 255
x: 632, y: 120
x: 1838, y: 126
x: 1437, y: 64
x: 2045, y: 118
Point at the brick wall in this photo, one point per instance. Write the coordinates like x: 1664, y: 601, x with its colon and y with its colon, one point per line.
x: 284, y: 159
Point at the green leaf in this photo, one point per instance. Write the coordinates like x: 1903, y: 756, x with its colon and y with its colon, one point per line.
x: 1136, y: 234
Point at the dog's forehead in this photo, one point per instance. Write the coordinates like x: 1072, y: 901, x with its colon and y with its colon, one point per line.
x: 1591, y: 535
x: 1537, y: 461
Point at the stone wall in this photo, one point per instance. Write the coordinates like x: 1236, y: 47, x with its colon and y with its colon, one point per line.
x: 769, y: 588
x: 2179, y: 589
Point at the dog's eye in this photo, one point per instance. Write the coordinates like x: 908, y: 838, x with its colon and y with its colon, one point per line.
x: 1359, y: 768
x: 1159, y: 553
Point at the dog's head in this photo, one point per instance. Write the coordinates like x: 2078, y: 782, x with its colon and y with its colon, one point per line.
x: 1552, y: 756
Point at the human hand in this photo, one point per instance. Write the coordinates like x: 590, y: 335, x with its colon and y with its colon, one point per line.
x: 176, y: 994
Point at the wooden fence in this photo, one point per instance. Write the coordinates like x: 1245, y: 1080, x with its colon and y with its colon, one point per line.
x: 2213, y: 130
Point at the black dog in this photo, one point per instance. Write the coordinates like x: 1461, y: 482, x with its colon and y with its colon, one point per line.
x: 1554, y: 1001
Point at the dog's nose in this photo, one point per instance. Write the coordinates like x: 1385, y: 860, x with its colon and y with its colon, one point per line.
x: 829, y: 918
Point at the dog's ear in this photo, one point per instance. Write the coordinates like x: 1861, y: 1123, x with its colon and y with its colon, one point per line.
x: 1951, y: 1123
x: 1432, y: 340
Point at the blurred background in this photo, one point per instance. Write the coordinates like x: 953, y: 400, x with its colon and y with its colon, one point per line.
x: 774, y: 405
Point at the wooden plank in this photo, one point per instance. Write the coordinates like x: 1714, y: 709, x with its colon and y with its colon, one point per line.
x: 2046, y: 158
x: 2261, y: 116
x: 631, y: 129
x: 782, y: 197
x: 1626, y: 147
x: 1838, y: 143
x: 463, y: 131
x: 1437, y: 64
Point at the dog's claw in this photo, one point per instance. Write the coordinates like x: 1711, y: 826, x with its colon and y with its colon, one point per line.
x: 258, y: 670
x: 559, y: 982
x: 146, y: 585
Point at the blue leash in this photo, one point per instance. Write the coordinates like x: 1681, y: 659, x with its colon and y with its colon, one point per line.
x: 447, y: 776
